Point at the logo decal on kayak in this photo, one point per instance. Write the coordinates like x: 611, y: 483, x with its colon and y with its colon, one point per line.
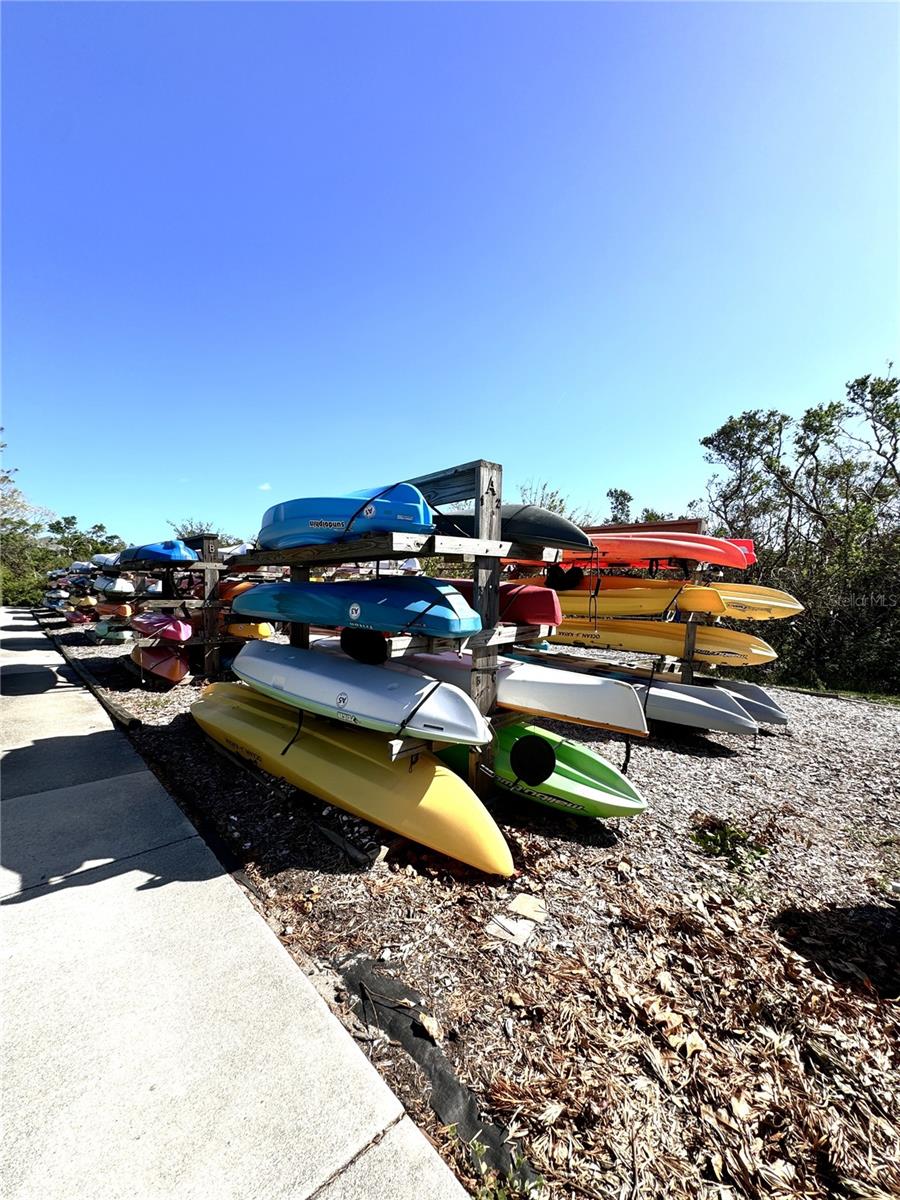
x: 326, y: 524
x: 354, y: 612
x: 369, y: 510
x: 342, y: 700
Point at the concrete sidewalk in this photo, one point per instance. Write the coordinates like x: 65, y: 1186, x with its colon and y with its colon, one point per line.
x: 159, y: 1042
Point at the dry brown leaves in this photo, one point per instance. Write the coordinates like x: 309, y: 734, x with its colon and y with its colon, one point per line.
x: 702, y: 1057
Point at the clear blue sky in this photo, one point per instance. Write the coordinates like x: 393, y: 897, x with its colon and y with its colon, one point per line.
x: 322, y: 246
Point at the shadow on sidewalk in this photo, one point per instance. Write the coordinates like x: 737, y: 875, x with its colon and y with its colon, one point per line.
x: 18, y: 679
x: 24, y: 644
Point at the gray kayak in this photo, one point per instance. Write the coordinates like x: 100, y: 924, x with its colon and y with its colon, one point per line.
x: 755, y: 699
x: 695, y: 706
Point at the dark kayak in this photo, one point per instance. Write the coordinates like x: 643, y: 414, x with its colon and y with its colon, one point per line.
x: 524, y: 523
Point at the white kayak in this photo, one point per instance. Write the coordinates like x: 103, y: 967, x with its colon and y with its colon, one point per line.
x: 539, y: 690
x: 399, y: 700
x: 105, y: 560
x: 111, y: 586
x: 696, y: 706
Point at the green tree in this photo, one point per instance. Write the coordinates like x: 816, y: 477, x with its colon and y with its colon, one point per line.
x: 197, y: 526
x: 82, y: 543
x: 619, y: 506
x: 545, y: 496
x: 820, y: 496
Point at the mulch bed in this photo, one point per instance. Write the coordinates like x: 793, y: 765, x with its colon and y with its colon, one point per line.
x: 710, y: 1008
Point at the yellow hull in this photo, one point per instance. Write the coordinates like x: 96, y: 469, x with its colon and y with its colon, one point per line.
x: 623, y: 596
x: 420, y: 798
x: 641, y: 602
x: 250, y: 629
x: 714, y: 643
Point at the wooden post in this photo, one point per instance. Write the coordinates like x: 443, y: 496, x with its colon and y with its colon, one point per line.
x: 212, y: 657
x: 486, y: 602
x: 690, y: 642
x: 300, y: 633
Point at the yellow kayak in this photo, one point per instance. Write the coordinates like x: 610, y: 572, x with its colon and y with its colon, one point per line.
x: 250, y: 629
x: 743, y: 601
x: 641, y: 601
x: 624, y: 596
x: 419, y: 798
x: 714, y: 643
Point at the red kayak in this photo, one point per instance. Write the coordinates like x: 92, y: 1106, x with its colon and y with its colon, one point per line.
x: 654, y: 547
x: 520, y: 603
x: 748, y: 547
x: 74, y: 617
x: 169, y: 629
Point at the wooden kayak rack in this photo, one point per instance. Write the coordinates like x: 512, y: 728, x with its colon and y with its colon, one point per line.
x: 211, y: 566
x: 479, y: 481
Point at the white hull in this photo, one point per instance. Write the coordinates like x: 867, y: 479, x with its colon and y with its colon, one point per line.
x: 390, y: 701
x: 539, y: 690
x: 113, y: 587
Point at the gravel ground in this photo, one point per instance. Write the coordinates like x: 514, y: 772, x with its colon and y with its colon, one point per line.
x: 709, y: 1008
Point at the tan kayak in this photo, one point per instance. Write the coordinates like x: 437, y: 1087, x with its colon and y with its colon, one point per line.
x: 714, y: 643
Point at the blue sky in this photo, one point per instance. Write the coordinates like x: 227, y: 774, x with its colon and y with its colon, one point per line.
x: 323, y: 246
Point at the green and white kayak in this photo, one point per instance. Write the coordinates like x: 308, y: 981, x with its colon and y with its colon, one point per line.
x: 104, y: 631
x: 533, y: 762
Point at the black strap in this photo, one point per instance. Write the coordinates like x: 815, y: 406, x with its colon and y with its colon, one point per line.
x: 362, y: 508
x: 418, y: 617
x: 415, y: 708
x: 296, y: 734
x: 627, y: 759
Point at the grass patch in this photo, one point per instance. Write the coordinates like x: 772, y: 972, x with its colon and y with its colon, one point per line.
x: 718, y: 839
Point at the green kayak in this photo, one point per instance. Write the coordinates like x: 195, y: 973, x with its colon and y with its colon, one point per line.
x: 105, y: 632
x: 543, y: 766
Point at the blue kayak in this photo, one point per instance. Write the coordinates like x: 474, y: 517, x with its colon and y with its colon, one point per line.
x: 396, y: 605
x: 163, y: 552
x: 312, y: 521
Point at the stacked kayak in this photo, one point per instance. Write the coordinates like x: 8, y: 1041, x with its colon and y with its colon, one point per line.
x: 520, y: 603
x: 713, y: 644
x: 107, y: 609
x: 311, y: 521
x: 401, y: 700
x: 526, y: 524
x: 104, y: 561
x: 536, y: 689
x: 419, y: 798
x: 397, y: 605
x: 158, y: 625
x: 111, y: 631
x: 694, y: 706
x: 173, y: 550
x: 113, y: 585
x: 166, y: 662
x: 623, y: 596
x: 641, y: 549
x: 542, y: 766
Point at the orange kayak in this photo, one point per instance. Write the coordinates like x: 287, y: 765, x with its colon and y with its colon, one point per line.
x: 166, y: 663
x: 229, y: 588
x: 114, y: 610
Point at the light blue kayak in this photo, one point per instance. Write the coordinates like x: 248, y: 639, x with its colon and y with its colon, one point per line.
x: 395, y: 605
x: 173, y: 550
x: 311, y: 521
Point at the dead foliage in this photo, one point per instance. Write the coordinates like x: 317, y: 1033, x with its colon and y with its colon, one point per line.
x: 701, y: 1056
